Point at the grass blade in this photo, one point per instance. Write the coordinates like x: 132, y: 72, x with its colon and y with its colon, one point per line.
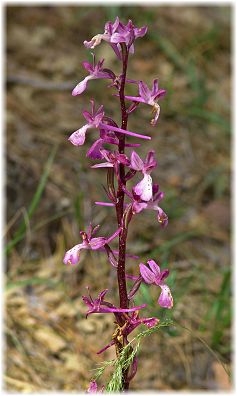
x: 20, y: 233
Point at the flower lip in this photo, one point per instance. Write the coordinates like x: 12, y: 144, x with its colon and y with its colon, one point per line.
x: 165, y: 299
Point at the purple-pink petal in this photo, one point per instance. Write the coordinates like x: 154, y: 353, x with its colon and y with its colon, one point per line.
x: 136, y: 162
x: 88, y: 116
x: 162, y: 217
x: 150, y: 162
x: 94, y: 151
x: 144, y: 91
x: 106, y: 347
x: 134, y: 98
x: 150, y: 322
x: 103, y: 165
x: 97, y: 243
x: 125, y: 132
x: 133, y: 309
x: 123, y: 159
x: 138, y: 206
x: 155, y: 87
x: 140, y: 32
x: 133, y: 369
x: 160, y: 94
x: 117, y: 38
x: 93, y: 387
x: 154, y: 267
x: 158, y: 196
x: 102, y: 294
x: 87, y: 301
x: 147, y: 274
x: 114, y: 235
x: 104, y: 203
x: 155, y: 188
x: 88, y: 66
x: 163, y: 275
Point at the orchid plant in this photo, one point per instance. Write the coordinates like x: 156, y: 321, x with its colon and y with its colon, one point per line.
x: 109, y: 147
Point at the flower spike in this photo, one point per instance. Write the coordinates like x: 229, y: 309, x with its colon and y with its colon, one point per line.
x: 127, y: 198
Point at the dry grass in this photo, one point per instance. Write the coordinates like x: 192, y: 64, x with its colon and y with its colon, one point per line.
x: 51, y: 346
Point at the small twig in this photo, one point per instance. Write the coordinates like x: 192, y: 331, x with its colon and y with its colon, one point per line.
x: 19, y: 212
x: 41, y: 84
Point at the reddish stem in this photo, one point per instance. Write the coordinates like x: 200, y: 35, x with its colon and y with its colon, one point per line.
x: 120, y: 193
x: 121, y: 275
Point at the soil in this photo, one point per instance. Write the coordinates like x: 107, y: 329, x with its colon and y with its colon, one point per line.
x: 50, y: 344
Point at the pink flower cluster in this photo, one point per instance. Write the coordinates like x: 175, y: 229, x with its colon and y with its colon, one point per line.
x: 143, y: 194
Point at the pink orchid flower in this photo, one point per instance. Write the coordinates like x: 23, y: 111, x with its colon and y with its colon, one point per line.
x: 106, y: 137
x: 96, y: 71
x: 138, y: 205
x: 100, y: 306
x: 149, y: 97
x: 72, y: 256
x: 117, y: 33
x: 155, y: 276
x: 95, y: 120
x: 144, y: 188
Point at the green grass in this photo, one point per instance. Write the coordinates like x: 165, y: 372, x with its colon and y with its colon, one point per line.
x: 29, y: 282
x: 22, y: 229
x: 163, y: 251
x: 220, y: 313
x: 78, y: 210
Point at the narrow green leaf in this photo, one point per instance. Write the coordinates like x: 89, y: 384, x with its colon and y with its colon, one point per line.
x: 20, y: 233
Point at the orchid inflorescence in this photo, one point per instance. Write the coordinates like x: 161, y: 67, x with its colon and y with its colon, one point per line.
x: 109, y: 147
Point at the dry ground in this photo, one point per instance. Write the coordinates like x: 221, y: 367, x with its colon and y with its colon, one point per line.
x: 50, y: 344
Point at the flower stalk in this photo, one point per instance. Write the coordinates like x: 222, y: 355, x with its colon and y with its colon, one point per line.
x: 120, y: 193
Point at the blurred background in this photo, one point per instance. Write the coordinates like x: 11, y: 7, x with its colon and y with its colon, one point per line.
x: 51, y: 193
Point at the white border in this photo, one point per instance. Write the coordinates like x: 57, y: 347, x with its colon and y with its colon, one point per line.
x: 234, y: 153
